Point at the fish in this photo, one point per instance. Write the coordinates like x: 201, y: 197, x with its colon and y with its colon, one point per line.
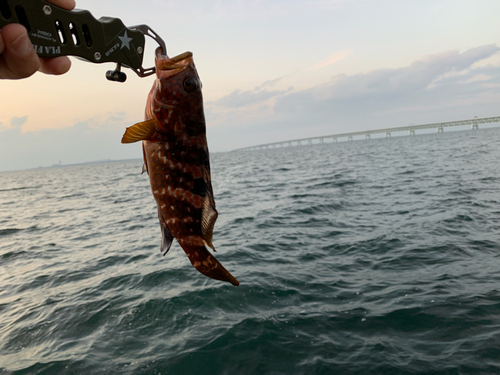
x: 176, y: 158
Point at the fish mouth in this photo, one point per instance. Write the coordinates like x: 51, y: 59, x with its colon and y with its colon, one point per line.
x: 175, y: 63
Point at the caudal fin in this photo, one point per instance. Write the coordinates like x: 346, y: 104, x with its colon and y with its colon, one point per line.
x: 206, y: 263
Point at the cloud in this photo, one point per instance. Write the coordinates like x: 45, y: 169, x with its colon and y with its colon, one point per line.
x: 445, y: 86
x: 478, y: 77
x: 238, y: 98
x: 250, y: 9
x: 271, y: 82
x: 332, y: 59
x: 361, y: 94
x: 258, y: 95
x: 391, y: 87
x: 17, y: 122
x: 87, y: 140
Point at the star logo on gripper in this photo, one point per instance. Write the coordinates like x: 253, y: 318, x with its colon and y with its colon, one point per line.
x: 125, y: 40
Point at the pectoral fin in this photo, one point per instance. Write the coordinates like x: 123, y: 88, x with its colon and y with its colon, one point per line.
x: 142, y: 131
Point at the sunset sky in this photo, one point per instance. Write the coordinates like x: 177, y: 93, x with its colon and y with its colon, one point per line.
x: 271, y: 71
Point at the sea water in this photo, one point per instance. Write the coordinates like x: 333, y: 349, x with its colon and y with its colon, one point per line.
x: 365, y: 257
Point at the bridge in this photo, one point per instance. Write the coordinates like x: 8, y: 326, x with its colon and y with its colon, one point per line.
x: 439, y: 126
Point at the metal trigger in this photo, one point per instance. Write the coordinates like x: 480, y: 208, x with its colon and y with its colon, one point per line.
x: 116, y: 75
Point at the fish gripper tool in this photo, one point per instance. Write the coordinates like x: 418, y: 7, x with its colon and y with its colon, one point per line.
x: 54, y: 31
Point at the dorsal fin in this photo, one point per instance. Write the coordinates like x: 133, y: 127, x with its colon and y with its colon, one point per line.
x: 142, y: 131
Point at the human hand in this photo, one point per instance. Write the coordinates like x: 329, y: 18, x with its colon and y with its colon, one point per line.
x: 18, y: 58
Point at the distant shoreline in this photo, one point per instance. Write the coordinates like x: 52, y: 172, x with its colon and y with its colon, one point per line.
x: 73, y: 164
x: 77, y: 164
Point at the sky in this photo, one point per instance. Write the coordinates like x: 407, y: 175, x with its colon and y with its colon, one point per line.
x: 271, y: 71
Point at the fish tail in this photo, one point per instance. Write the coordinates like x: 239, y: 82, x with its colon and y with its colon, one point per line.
x: 206, y: 264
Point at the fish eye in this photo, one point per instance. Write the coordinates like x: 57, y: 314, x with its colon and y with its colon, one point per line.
x: 190, y: 84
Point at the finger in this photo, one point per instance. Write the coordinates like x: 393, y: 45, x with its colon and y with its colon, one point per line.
x: 2, y: 44
x: 19, y: 59
x: 56, y: 65
x: 66, y: 4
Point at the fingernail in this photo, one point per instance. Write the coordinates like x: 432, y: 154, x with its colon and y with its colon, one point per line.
x: 22, y: 45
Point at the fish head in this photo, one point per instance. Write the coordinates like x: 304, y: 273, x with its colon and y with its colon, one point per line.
x: 176, y: 99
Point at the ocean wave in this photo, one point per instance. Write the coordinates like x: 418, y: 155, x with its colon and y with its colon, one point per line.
x: 364, y: 257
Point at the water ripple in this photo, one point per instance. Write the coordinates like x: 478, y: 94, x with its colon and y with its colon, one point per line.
x: 376, y: 257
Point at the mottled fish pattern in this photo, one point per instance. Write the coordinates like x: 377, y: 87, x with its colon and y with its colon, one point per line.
x: 176, y: 158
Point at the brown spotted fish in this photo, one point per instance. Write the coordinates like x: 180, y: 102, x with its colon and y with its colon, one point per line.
x: 176, y: 158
